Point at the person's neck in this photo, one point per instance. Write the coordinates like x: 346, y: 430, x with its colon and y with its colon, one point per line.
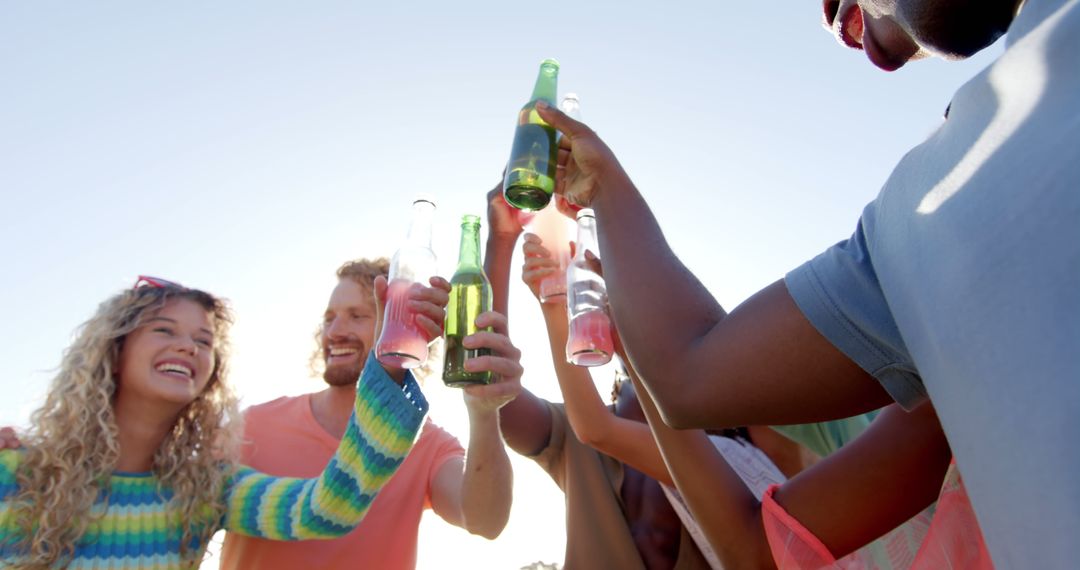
x: 332, y: 408
x: 141, y: 429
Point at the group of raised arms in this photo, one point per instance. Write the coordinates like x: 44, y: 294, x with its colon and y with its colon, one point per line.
x: 904, y: 400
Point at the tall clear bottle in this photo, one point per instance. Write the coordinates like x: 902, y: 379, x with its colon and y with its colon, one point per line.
x: 470, y: 295
x: 530, y: 173
x: 590, y: 342
x: 402, y: 343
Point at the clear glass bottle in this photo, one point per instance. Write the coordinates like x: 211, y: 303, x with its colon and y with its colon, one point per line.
x: 589, y: 342
x: 402, y: 343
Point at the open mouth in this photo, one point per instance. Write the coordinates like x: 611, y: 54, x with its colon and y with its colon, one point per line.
x: 176, y: 369
x: 337, y: 354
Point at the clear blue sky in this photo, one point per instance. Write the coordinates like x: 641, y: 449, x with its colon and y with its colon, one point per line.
x: 250, y: 148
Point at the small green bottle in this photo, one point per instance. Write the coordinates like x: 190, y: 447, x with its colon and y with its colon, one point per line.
x: 470, y: 295
x: 530, y: 173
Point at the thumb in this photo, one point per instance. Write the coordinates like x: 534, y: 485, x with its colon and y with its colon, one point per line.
x: 560, y: 120
x: 380, y: 291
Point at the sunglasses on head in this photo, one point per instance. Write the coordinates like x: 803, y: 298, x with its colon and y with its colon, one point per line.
x: 155, y: 283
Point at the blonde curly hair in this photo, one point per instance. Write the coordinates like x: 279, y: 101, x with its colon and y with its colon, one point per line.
x: 72, y: 447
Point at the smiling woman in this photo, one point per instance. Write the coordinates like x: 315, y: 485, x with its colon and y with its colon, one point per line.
x: 140, y: 417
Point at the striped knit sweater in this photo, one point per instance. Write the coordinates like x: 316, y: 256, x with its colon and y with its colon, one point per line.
x: 137, y: 530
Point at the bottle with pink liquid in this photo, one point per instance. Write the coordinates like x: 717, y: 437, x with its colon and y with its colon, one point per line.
x: 553, y: 228
x: 402, y: 343
x: 589, y: 342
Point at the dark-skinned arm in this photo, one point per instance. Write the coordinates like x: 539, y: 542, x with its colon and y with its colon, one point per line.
x: 886, y: 476
x: 526, y: 420
x: 763, y: 363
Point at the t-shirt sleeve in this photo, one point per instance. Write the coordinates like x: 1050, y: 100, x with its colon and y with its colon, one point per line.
x: 824, y: 438
x: 382, y: 429
x: 839, y: 293
x: 550, y: 458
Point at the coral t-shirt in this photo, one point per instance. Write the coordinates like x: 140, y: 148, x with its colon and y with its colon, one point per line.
x: 281, y: 437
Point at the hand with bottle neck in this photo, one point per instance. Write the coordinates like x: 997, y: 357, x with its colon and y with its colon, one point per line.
x: 587, y: 168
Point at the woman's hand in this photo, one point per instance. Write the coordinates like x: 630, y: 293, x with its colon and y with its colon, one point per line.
x: 539, y: 263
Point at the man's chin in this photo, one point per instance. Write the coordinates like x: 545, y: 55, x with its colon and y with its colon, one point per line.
x: 342, y: 375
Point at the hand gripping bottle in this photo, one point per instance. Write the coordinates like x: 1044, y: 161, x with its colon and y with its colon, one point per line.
x: 589, y: 342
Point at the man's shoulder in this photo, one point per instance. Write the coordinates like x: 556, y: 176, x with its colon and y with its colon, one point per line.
x: 276, y: 406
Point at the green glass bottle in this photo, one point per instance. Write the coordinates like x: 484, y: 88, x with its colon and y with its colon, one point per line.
x: 470, y: 295
x: 530, y: 174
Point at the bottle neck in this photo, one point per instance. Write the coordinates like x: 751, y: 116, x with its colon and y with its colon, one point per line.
x: 586, y: 237
x: 420, y: 228
x: 546, y: 84
x: 469, y: 252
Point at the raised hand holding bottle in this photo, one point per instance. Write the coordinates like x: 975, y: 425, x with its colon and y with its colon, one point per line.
x: 590, y: 341
x: 552, y: 228
x: 470, y: 295
x: 530, y: 173
x: 402, y: 343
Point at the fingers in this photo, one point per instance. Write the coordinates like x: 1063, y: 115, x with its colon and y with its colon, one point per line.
x: 438, y: 294
x: 431, y: 329
x: 505, y: 357
x: 594, y: 262
x: 495, y: 321
x: 497, y: 342
x: 497, y: 190
x: 531, y: 276
x: 499, y: 391
x: 430, y: 317
x: 380, y: 290
x: 532, y: 248
x: 565, y: 207
x: 440, y: 283
x: 497, y: 365
x: 556, y: 118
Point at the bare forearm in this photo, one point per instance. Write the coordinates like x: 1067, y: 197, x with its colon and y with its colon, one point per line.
x: 487, y: 488
x: 884, y: 477
x: 759, y: 364
x: 593, y: 422
x: 728, y: 514
x: 497, y: 259
x: 526, y: 422
x: 643, y: 271
x: 588, y: 416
